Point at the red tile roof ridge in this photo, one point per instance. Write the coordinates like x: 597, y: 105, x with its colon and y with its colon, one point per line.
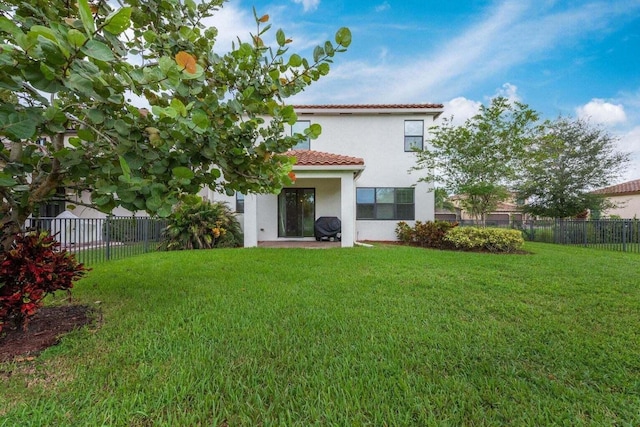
x: 319, y: 158
x: 369, y: 106
x: 622, y: 188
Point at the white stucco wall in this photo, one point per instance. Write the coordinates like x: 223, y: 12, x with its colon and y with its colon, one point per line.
x: 327, y: 204
x: 379, y: 140
x: 629, y: 206
x: 376, y: 136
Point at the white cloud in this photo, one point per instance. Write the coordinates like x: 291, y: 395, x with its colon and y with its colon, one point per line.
x: 460, y: 109
x: 232, y: 22
x: 308, y: 5
x: 383, y: 6
x: 510, y: 92
x: 602, y: 112
x: 630, y: 143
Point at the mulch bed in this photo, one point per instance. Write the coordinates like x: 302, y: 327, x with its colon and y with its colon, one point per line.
x: 43, y: 331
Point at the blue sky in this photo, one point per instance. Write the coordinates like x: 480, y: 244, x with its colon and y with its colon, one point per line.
x: 571, y: 58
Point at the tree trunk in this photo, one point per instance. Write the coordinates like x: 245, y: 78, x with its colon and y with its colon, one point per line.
x: 10, y: 225
x: 42, y: 186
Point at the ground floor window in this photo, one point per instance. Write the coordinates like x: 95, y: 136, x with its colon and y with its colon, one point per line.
x: 239, y: 203
x: 296, y: 212
x: 53, y: 207
x: 385, y: 203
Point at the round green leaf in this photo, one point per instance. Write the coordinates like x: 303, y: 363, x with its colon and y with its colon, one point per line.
x: 182, y: 172
x: 343, y: 37
x: 76, y: 38
x: 118, y: 20
x: 98, y: 50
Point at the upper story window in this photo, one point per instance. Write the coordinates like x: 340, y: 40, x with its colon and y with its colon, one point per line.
x: 299, y: 127
x: 413, y: 135
x: 239, y: 202
x: 385, y: 203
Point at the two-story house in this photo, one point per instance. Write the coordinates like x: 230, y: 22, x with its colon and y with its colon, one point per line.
x: 357, y: 170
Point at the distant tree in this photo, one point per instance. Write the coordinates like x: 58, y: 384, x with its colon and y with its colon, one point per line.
x: 569, y: 159
x: 74, y: 65
x: 442, y: 201
x: 478, y: 160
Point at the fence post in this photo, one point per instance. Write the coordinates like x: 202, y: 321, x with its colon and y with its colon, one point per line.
x: 146, y: 234
x: 107, y: 252
x: 584, y: 230
x: 532, y: 232
x: 625, y: 225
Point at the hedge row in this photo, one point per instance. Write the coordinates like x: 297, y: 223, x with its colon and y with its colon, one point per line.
x: 446, y: 235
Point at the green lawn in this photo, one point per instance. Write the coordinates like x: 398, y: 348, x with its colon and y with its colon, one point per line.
x: 389, y: 335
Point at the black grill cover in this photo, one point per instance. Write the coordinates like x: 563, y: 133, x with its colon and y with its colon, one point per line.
x: 327, y: 227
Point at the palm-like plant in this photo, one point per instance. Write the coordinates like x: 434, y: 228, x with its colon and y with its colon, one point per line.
x: 201, y: 225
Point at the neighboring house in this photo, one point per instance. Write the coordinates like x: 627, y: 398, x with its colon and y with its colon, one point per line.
x: 625, y: 196
x: 505, y: 213
x: 448, y: 215
x: 357, y: 170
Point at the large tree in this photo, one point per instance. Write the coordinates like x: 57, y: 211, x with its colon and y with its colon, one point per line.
x: 72, y: 67
x: 478, y: 160
x: 569, y: 159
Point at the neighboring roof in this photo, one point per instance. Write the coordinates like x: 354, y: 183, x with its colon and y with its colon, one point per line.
x: 507, y: 207
x: 335, y: 109
x: 624, y: 188
x: 318, y: 158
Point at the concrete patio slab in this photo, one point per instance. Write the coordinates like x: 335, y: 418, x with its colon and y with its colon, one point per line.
x: 305, y: 244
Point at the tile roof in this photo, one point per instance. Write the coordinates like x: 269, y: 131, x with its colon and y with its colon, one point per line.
x: 624, y: 188
x: 368, y: 106
x: 318, y: 158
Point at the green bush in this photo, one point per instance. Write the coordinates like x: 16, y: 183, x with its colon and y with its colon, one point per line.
x: 404, y: 232
x: 485, y: 239
x: 201, y: 225
x: 544, y: 235
x: 428, y: 234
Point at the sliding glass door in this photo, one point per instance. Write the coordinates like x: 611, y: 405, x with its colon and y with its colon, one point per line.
x: 296, y: 212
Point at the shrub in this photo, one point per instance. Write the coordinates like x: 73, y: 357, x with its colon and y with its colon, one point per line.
x: 201, y: 225
x: 404, y: 232
x: 431, y: 234
x: 428, y: 234
x: 485, y: 239
x: 32, y: 269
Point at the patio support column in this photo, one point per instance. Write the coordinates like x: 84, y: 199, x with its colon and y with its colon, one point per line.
x: 250, y: 221
x: 348, y: 205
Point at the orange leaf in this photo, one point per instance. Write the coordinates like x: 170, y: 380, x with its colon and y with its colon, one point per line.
x: 292, y: 176
x: 186, y: 61
x: 264, y: 18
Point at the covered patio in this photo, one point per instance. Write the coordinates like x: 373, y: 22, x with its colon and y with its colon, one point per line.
x: 324, y: 187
